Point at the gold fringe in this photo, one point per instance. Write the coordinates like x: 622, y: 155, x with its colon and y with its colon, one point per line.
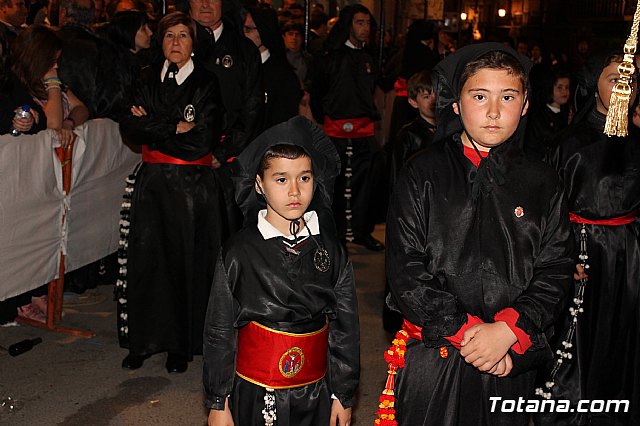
x: 618, y: 113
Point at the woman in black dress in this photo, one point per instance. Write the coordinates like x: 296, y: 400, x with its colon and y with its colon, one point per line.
x: 174, y: 227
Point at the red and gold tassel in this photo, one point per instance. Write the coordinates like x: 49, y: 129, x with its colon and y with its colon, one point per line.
x: 394, y: 356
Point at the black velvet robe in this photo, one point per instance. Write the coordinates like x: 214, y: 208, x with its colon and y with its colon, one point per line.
x: 258, y: 280
x: 602, y: 179
x: 176, y: 217
x: 455, y: 246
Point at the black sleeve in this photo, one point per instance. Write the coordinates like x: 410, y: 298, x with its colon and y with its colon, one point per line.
x: 420, y: 295
x: 220, y: 340
x: 344, y: 340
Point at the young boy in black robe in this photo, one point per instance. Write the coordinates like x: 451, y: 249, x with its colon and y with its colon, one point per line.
x: 478, y: 253
x: 282, y: 335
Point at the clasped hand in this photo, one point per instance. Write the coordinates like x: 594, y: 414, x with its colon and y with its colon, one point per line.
x: 485, y: 346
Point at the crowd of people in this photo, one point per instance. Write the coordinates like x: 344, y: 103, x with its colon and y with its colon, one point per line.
x: 507, y: 204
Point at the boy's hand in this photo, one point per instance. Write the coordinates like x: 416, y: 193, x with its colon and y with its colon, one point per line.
x: 339, y: 415
x: 503, y: 367
x: 221, y: 417
x: 484, y: 345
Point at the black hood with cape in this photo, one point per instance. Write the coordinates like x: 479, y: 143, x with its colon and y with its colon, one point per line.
x: 447, y: 83
x: 297, y: 131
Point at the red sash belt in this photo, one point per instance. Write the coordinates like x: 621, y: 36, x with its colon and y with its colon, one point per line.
x: 414, y: 331
x: 614, y: 221
x: 348, y: 127
x: 149, y: 156
x: 400, y: 86
x: 280, y: 360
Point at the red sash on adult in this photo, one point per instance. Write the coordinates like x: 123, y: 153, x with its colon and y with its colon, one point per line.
x: 400, y: 87
x: 348, y: 128
x: 149, y: 156
x: 613, y: 221
x: 280, y: 360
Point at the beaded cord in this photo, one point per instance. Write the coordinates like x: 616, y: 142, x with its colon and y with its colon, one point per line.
x: 348, y: 174
x: 567, y: 343
x: 269, y: 410
x: 120, y: 291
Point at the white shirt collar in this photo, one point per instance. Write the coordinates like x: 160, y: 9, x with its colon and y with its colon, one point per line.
x: 554, y: 109
x: 182, y: 74
x: 351, y: 45
x: 218, y: 31
x: 269, y: 231
x: 265, y: 55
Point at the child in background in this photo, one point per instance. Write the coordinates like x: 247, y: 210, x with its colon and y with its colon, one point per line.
x: 478, y: 253
x: 418, y: 134
x: 282, y: 334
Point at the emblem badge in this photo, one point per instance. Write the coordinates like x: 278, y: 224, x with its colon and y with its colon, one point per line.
x: 321, y: 260
x: 519, y: 211
x: 444, y: 352
x: 189, y: 113
x: 291, y: 362
x: 227, y: 61
x: 347, y: 127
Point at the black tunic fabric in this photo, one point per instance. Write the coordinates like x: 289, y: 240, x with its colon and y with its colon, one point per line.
x: 282, y: 91
x: 236, y: 63
x: 343, y: 85
x: 176, y: 217
x: 450, y: 253
x: 602, y: 178
x: 412, y: 138
x: 542, y: 127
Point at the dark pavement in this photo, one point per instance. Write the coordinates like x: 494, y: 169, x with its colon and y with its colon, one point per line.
x: 69, y: 380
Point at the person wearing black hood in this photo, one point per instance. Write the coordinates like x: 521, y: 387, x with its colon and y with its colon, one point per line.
x: 282, y: 89
x: 602, y: 180
x: 478, y: 252
x: 282, y: 336
x: 342, y: 99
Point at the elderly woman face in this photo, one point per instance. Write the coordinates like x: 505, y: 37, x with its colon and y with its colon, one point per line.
x: 177, y: 44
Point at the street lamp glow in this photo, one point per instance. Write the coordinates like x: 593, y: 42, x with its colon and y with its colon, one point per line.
x: 463, y: 16
x: 502, y: 13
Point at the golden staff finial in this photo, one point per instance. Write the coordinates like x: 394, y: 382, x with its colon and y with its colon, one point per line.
x: 618, y: 113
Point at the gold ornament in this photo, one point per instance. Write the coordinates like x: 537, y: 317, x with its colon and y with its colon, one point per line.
x: 618, y: 113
